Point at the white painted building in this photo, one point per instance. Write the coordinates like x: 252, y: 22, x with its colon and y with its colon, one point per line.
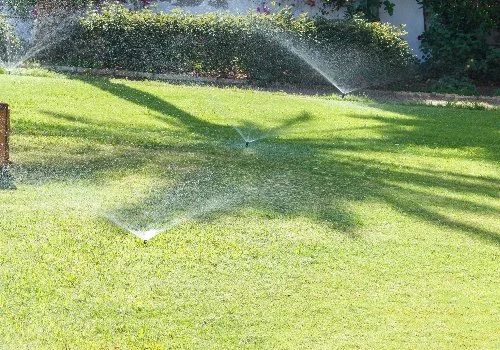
x: 406, y: 12
x: 410, y: 14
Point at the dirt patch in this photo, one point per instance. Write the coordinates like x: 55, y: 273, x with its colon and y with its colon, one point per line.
x: 434, y: 99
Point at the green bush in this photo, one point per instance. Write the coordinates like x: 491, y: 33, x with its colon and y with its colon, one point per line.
x: 9, y: 43
x: 24, y: 8
x: 455, y: 42
x: 213, y: 43
x: 452, y: 85
x: 379, y: 39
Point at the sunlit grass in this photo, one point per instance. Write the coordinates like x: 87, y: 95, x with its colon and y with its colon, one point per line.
x: 354, y: 225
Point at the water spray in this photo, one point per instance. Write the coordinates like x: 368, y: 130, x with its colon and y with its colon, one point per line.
x: 43, y: 32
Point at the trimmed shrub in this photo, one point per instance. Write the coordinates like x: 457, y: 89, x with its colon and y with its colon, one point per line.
x: 9, y: 42
x: 451, y: 85
x: 214, y: 43
x: 380, y: 39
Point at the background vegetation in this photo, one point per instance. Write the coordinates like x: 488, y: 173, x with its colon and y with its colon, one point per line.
x: 462, y: 38
x: 179, y: 42
x: 461, y: 42
x: 367, y: 8
x: 8, y: 40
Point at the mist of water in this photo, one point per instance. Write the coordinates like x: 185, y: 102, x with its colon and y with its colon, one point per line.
x: 251, y: 133
x: 163, y: 208
x: 146, y: 215
x: 31, y: 36
x: 347, y: 67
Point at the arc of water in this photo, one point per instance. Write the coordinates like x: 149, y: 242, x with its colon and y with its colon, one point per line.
x: 347, y: 68
x: 213, y: 204
x: 54, y: 35
x: 308, y: 59
x: 243, y: 136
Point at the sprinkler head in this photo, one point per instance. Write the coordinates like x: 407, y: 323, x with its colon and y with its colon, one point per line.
x: 247, y: 143
x: 343, y: 95
x: 145, y: 241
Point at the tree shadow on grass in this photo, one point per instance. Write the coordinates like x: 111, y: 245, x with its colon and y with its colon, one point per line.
x: 441, y: 128
x: 427, y: 193
x: 6, y: 180
x: 473, y: 133
x: 424, y: 194
x: 169, y: 112
x: 298, y: 185
x: 301, y: 177
x: 172, y: 115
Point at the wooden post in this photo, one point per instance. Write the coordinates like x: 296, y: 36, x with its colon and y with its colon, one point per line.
x: 4, y: 135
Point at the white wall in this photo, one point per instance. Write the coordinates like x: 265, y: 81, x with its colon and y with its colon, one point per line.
x: 243, y: 6
x: 411, y: 14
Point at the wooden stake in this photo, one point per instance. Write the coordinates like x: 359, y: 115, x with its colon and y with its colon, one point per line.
x: 4, y: 135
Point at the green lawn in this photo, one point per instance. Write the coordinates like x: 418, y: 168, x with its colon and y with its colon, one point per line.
x: 355, y: 224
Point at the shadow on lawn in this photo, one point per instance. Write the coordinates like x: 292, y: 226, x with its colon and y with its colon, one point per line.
x: 442, y: 128
x: 300, y: 177
x: 6, y: 180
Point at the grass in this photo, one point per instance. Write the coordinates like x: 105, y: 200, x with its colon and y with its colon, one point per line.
x: 355, y: 225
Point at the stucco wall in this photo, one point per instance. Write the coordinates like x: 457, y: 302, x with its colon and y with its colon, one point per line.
x: 411, y: 14
x: 243, y: 6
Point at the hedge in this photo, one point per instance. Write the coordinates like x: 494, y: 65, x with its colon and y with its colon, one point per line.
x: 9, y: 43
x: 216, y: 44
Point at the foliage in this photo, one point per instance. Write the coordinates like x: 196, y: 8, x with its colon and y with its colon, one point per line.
x: 212, y: 43
x: 367, y: 9
x: 8, y: 41
x: 452, y: 85
x: 31, y: 7
x: 456, y: 40
x: 375, y: 37
x: 181, y: 42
